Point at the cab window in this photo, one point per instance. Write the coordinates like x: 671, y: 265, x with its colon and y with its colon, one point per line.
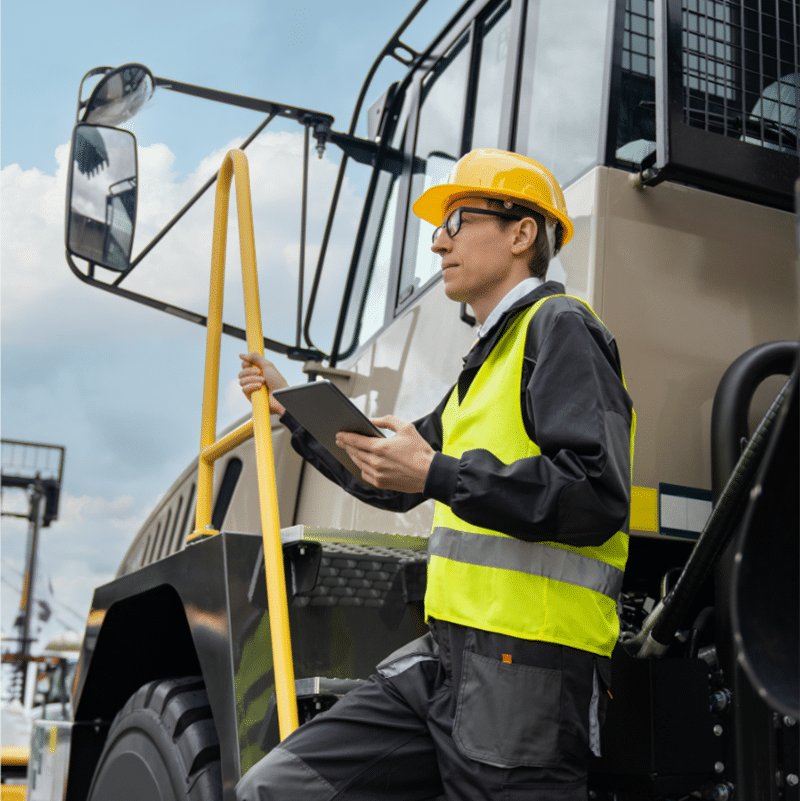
x: 456, y: 113
x: 366, y: 312
x: 454, y: 106
x: 565, y: 54
x: 491, y: 76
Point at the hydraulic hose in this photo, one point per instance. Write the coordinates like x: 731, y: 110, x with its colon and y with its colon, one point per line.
x: 698, y: 627
x: 714, y: 539
x: 731, y: 409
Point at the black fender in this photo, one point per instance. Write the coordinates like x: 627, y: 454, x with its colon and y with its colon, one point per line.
x: 203, y: 612
x: 167, y: 619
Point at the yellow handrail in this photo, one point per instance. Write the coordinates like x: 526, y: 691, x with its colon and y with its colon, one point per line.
x: 259, y: 428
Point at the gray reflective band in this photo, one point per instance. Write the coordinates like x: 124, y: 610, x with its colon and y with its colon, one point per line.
x: 534, y: 558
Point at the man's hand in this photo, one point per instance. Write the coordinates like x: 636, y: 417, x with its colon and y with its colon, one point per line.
x: 400, y: 463
x: 258, y: 372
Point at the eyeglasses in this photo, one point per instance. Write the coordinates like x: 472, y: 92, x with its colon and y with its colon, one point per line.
x: 452, y: 223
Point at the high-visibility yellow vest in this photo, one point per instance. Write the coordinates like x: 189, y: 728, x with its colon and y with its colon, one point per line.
x: 488, y: 580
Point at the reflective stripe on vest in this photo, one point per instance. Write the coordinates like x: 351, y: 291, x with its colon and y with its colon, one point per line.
x: 533, y: 558
x: 486, y: 579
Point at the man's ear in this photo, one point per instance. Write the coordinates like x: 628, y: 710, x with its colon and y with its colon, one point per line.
x: 525, y: 236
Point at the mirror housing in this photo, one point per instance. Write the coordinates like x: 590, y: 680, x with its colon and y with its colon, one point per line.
x: 119, y: 94
x: 102, y: 196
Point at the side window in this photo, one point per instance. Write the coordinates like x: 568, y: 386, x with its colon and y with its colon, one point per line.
x: 565, y: 59
x: 460, y: 102
x: 367, y: 310
x: 233, y: 470
x: 438, y: 147
x: 188, y: 520
x: 171, y: 543
x: 493, y: 58
x: 366, y: 313
x: 164, y: 538
x: 143, y: 550
x: 456, y: 115
x: 151, y: 545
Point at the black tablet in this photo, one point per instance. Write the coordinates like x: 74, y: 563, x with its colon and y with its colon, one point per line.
x: 324, y: 410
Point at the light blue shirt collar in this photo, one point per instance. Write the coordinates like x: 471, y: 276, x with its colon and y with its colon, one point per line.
x: 520, y: 290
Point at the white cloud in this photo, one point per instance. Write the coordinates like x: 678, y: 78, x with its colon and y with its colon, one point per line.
x: 179, y: 268
x: 41, y: 299
x: 235, y: 403
x: 118, y: 511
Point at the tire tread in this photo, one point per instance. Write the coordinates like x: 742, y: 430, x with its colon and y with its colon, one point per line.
x: 184, y: 715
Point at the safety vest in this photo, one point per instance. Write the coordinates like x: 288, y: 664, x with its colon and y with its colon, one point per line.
x: 485, y: 579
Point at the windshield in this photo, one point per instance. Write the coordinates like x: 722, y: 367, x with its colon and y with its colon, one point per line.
x: 453, y: 106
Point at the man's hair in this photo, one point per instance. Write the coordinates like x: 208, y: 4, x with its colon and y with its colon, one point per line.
x: 540, y: 254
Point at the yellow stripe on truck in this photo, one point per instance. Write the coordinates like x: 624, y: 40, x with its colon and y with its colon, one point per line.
x: 644, y: 509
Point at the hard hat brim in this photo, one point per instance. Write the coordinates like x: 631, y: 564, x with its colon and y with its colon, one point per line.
x: 432, y: 204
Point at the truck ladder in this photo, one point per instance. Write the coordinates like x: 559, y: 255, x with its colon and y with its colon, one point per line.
x: 211, y: 449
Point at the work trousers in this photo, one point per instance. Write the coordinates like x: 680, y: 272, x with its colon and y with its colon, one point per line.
x: 471, y: 714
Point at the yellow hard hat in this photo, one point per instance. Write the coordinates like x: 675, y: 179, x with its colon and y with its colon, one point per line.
x: 498, y: 174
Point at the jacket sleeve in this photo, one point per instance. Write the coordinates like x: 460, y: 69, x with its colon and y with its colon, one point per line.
x: 578, y: 412
x: 430, y: 427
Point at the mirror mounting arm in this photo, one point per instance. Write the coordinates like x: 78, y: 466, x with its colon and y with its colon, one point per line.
x: 365, y: 151
x: 243, y: 101
x: 294, y: 353
x: 200, y: 192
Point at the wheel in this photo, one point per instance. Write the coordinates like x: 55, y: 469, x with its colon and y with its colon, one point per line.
x: 162, y: 746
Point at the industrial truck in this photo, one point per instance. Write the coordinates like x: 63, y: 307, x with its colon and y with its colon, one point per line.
x: 257, y: 594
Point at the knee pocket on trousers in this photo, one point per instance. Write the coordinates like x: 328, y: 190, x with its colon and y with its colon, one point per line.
x: 508, y: 715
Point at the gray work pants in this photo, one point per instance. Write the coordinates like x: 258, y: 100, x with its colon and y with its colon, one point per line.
x: 471, y: 714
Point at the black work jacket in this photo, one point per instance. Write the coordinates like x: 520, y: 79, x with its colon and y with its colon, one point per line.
x: 575, y: 408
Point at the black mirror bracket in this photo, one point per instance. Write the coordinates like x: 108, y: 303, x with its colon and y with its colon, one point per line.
x: 91, y: 74
x: 649, y: 174
x: 289, y: 351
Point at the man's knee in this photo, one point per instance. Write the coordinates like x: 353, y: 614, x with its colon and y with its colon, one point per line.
x: 282, y: 776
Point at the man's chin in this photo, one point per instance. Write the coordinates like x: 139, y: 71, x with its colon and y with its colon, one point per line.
x: 452, y: 292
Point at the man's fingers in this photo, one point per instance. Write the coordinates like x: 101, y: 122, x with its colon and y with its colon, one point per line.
x: 255, y: 360
x: 388, y: 421
x: 362, y: 461
x: 359, y: 441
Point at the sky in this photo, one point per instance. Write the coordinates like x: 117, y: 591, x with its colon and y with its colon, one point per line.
x: 116, y: 383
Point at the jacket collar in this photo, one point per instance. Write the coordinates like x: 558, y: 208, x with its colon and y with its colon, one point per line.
x: 482, y: 348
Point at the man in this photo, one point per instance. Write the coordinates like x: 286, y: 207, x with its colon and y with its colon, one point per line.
x: 528, y: 459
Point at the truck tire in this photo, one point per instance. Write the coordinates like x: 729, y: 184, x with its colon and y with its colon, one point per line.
x: 162, y: 746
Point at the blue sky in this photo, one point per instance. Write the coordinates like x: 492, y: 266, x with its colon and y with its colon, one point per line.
x: 117, y: 383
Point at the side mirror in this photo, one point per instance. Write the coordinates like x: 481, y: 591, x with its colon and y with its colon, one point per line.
x: 101, y: 196
x: 119, y: 94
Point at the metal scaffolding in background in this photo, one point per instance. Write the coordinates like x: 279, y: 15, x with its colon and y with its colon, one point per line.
x: 37, y: 469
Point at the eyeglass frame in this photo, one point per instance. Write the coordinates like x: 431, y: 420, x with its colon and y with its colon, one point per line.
x: 456, y: 214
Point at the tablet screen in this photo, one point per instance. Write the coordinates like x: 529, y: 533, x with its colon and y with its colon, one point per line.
x: 324, y: 410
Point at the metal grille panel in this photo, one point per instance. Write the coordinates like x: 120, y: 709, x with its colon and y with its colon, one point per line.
x: 741, y: 66
x: 741, y: 69
x: 638, y: 49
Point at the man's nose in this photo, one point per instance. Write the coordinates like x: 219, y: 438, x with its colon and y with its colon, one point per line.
x: 442, y: 243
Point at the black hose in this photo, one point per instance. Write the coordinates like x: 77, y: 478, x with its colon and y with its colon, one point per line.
x: 697, y: 628
x: 719, y: 529
x: 729, y: 416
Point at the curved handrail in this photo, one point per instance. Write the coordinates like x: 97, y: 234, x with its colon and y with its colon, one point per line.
x: 235, y: 163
